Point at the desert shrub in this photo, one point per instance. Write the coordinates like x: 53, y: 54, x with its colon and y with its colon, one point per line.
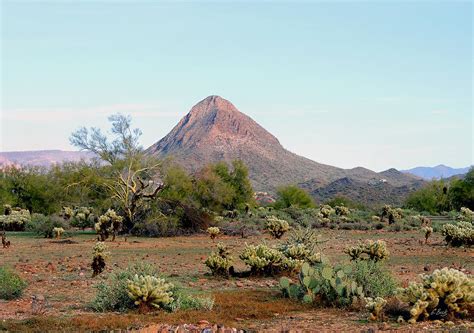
x: 112, y: 293
x: 16, y: 220
x: 331, y: 285
x: 158, y: 226
x: 374, y: 277
x: 184, y: 301
x: 11, y: 284
x: 369, y: 250
x: 220, y: 262
x: 99, y: 255
x: 445, y: 294
x: 213, y: 232
x: 148, y: 292
x: 109, y: 223
x: 292, y: 195
x: 44, y: 225
x: 264, y: 260
x: 460, y: 234
x: 276, y: 227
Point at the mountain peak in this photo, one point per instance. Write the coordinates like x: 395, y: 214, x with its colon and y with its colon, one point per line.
x: 213, y: 104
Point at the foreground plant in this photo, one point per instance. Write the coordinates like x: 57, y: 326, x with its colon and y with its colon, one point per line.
x: 445, y: 294
x: 330, y: 284
x: 11, y: 284
x: 149, y: 292
x: 220, y: 262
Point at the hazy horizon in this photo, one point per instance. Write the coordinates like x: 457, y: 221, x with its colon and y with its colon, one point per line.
x: 373, y: 84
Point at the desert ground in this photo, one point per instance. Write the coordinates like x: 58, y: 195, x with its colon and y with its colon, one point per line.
x: 58, y: 273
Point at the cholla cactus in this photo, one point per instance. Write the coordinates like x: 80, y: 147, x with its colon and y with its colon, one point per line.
x: 109, y: 223
x: 341, y: 210
x: 58, y: 232
x: 427, y: 231
x: 392, y: 214
x: 264, y: 260
x: 82, y: 217
x: 466, y: 215
x: 461, y: 234
x: 326, y: 211
x: 446, y: 291
x: 213, y: 232
x: 15, y: 220
x: 276, y: 227
x: 302, y: 246
x: 375, y: 306
x: 149, y: 292
x: 369, y: 250
x: 220, y: 262
x: 99, y: 255
x: 7, y: 209
x: 67, y: 212
x: 375, y: 219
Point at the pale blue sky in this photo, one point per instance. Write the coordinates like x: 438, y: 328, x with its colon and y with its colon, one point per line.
x: 373, y: 84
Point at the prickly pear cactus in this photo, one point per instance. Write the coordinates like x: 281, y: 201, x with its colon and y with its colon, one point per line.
x: 445, y: 291
x: 220, y: 262
x: 331, y: 283
x: 149, y: 292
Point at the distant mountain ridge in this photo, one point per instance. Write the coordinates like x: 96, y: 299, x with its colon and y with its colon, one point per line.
x: 436, y: 172
x: 44, y: 158
x: 215, y: 130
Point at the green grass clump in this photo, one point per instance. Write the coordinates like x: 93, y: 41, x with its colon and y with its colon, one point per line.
x: 11, y: 285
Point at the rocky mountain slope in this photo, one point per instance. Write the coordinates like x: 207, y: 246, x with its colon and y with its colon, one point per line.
x: 214, y: 130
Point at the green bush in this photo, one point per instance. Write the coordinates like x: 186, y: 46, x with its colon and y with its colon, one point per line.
x: 11, y: 285
x: 374, y: 277
x: 293, y: 196
x: 44, y: 225
x: 113, y: 293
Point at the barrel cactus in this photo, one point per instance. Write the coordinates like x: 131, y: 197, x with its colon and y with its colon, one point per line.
x: 149, y: 292
x: 446, y: 293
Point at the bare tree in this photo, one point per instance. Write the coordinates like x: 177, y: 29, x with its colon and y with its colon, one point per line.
x: 134, y: 182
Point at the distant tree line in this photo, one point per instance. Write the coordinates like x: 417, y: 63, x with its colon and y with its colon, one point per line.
x: 442, y: 195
